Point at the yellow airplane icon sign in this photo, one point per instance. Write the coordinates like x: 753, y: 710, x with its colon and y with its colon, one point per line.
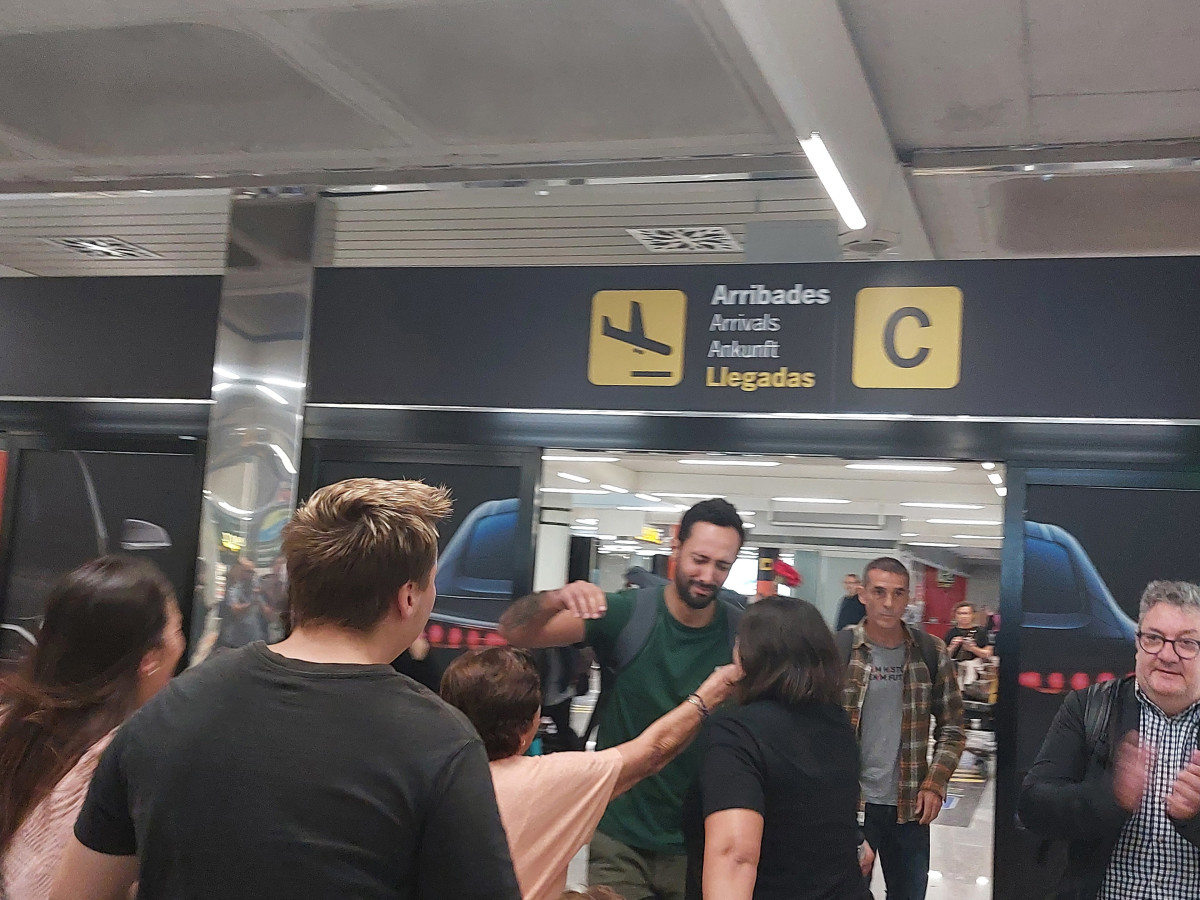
x: 637, y: 338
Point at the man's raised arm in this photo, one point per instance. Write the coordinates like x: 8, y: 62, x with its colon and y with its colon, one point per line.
x: 553, y: 618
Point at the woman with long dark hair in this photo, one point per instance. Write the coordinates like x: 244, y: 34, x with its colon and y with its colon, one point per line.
x: 110, y: 639
x: 774, y: 815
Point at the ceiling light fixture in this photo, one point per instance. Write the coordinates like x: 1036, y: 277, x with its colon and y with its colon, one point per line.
x: 605, y: 459
x: 588, y: 521
x: 900, y: 467
x: 909, y: 534
x: 643, y: 508
x: 614, y: 488
x: 978, y: 537
x: 962, y: 522
x: 989, y: 466
x: 995, y: 478
x: 648, y: 498
x: 558, y: 490
x: 944, y: 505
x: 807, y: 500
x: 764, y: 463
x: 930, y: 544
x: 576, y: 478
x: 1002, y: 492
x: 692, y: 497
x: 835, y: 184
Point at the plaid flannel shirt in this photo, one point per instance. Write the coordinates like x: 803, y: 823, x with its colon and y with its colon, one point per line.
x: 921, y: 700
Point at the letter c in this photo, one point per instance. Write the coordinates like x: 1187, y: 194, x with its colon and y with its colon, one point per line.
x: 889, y: 337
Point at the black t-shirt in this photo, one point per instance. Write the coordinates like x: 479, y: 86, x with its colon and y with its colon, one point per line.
x: 257, y: 776
x: 960, y: 652
x: 798, y: 767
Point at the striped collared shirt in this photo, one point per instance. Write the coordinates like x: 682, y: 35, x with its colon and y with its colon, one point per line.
x: 922, y: 699
x: 1151, y: 860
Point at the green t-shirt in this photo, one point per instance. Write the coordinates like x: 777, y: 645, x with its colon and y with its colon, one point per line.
x: 672, y: 664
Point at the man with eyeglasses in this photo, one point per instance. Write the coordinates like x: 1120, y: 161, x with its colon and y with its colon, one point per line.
x: 1118, y: 776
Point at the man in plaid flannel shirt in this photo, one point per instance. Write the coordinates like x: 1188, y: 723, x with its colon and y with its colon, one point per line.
x: 890, y: 695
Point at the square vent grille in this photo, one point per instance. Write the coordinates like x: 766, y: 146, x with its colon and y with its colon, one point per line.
x: 688, y: 239
x: 102, y: 248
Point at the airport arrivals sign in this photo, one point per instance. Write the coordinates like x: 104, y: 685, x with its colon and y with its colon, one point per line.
x: 1104, y: 338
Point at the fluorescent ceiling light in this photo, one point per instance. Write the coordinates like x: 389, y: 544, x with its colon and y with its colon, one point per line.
x: 606, y: 537
x: 614, y: 488
x: 807, y: 500
x: 929, y: 544
x: 283, y: 459
x: 748, y: 512
x: 901, y: 467
x: 962, y: 522
x: 648, y: 498
x: 584, y: 528
x: 648, y: 508
x: 835, y: 185
x: 579, y: 459
x: 588, y: 521
x: 558, y: 490
x: 747, y: 524
x: 944, y: 505
x: 728, y: 462
x: 578, y: 478
x: 274, y: 395
x: 978, y: 537
x: 909, y: 534
x: 1002, y: 491
x: 988, y: 466
x: 995, y: 478
x: 692, y: 497
x: 221, y: 386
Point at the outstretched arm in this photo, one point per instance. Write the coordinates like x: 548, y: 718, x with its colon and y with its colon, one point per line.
x: 553, y: 618
x: 666, y: 737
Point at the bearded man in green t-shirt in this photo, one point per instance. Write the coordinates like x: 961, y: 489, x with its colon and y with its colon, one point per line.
x: 638, y: 849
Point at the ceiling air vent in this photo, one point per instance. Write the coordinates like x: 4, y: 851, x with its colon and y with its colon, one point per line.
x: 102, y: 248
x: 688, y: 239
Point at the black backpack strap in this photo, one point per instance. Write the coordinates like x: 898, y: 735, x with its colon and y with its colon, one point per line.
x: 845, y: 643
x: 1098, y: 704
x: 629, y: 643
x: 929, y: 652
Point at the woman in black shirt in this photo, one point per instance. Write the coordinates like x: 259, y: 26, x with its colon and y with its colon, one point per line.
x: 774, y: 812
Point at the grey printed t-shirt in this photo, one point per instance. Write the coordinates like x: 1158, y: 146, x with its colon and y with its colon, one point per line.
x: 880, y: 724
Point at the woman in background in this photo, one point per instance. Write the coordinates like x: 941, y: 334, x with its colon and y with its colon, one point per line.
x: 774, y: 815
x: 110, y: 639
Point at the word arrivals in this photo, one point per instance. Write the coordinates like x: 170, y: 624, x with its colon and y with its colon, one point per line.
x: 752, y: 381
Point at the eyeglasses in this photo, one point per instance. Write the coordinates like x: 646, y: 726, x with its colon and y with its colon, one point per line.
x: 1185, y: 648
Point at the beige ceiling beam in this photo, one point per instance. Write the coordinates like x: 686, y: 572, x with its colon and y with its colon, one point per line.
x: 807, y: 58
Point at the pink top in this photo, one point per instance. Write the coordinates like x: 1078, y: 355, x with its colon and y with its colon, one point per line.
x: 550, y: 806
x: 28, y: 868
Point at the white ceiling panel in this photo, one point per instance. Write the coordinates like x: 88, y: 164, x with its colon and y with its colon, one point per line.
x: 566, y: 225
x: 186, y: 231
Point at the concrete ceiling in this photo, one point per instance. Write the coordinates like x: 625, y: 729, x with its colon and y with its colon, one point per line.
x: 963, y: 128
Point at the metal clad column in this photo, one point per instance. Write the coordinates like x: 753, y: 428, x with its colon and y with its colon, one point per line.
x: 259, y: 385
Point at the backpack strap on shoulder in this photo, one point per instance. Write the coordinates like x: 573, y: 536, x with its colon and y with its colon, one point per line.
x: 629, y: 643
x: 929, y: 652
x: 1099, y: 701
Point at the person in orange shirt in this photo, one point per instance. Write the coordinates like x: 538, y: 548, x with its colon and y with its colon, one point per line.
x: 550, y: 805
